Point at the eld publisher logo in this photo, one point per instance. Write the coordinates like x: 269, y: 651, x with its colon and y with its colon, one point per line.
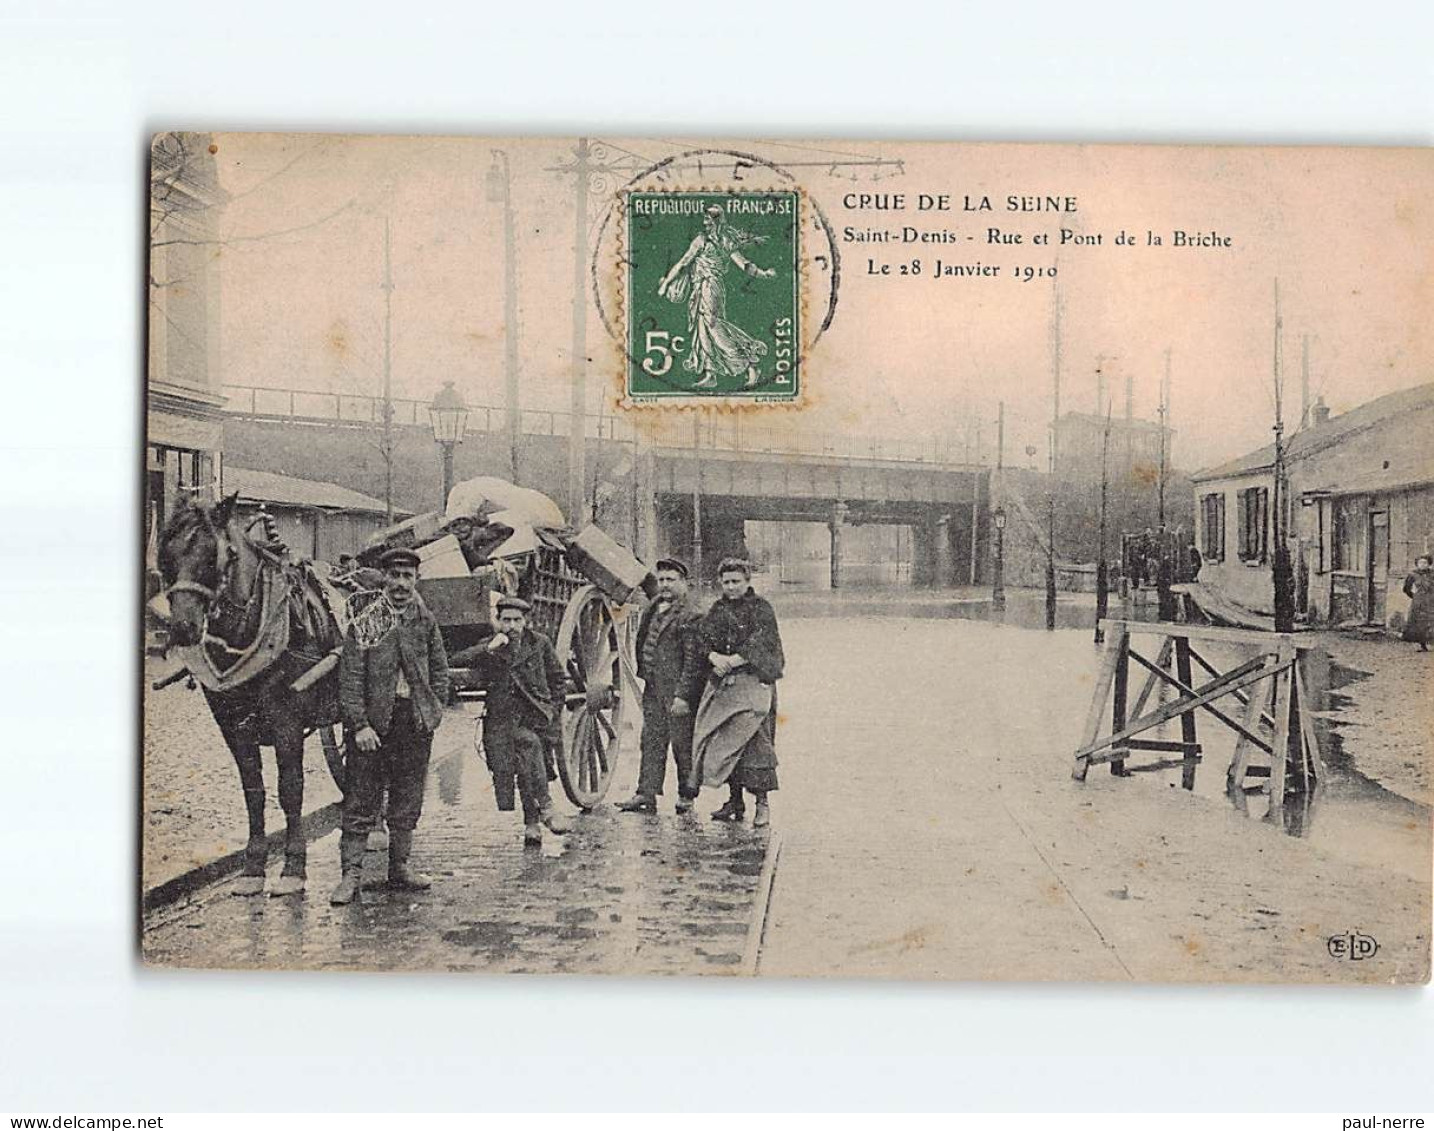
x: 1354, y: 946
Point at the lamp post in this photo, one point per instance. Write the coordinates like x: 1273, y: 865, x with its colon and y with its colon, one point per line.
x: 998, y: 574
x: 449, y: 415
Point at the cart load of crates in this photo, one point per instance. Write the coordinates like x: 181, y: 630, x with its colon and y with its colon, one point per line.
x: 585, y: 589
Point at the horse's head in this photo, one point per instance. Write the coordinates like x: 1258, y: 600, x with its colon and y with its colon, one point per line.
x: 193, y: 559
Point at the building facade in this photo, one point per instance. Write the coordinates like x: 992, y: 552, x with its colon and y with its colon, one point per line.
x: 316, y: 520
x: 1359, y: 511
x: 184, y: 403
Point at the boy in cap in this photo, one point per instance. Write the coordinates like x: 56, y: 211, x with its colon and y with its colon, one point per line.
x: 392, y: 695
x: 525, y: 685
x: 669, y: 652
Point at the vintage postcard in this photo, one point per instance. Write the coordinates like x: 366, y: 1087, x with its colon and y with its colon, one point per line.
x: 789, y: 558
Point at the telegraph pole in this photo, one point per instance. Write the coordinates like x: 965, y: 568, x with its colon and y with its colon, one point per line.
x: 697, y: 498
x: 1283, y: 570
x: 1055, y: 432
x: 387, y: 375
x: 577, y: 439
x: 1102, y: 576
x: 975, y: 503
x: 998, y: 513
x: 500, y: 189
x: 1305, y: 381
x: 1164, y: 426
x: 601, y: 159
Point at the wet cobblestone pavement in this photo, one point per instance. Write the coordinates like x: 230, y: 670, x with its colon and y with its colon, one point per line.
x: 620, y: 894
x: 193, y: 804
x: 929, y: 827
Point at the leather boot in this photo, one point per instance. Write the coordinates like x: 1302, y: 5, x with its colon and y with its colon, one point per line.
x: 400, y: 876
x: 555, y: 821
x: 351, y: 848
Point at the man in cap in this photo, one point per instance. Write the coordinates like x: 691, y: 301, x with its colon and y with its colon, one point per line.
x: 668, y: 652
x: 391, y: 693
x: 519, y: 668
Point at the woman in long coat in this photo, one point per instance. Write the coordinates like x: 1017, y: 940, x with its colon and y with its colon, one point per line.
x: 1419, y: 588
x: 734, y: 736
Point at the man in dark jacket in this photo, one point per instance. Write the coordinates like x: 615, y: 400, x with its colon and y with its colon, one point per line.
x: 668, y: 651
x: 391, y: 692
x: 525, y: 683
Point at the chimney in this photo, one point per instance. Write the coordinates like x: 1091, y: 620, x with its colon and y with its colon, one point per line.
x: 1319, y: 413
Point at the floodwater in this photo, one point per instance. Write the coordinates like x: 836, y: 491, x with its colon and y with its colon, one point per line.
x: 1347, y: 812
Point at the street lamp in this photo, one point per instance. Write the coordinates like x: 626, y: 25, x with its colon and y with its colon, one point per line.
x: 449, y: 415
x: 998, y: 574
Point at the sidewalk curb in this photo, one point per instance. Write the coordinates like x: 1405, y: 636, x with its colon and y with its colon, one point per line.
x: 761, y: 903
x: 320, y: 822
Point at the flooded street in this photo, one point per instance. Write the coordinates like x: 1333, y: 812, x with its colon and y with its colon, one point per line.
x: 929, y: 824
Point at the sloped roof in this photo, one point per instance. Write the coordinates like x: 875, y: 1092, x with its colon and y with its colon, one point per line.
x: 285, y: 490
x: 1308, y: 441
x: 1381, y: 482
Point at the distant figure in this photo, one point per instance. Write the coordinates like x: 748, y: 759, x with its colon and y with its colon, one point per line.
x: 735, y: 734
x: 1419, y: 588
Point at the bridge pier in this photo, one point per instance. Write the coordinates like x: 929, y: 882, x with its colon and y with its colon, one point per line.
x: 836, y: 525
x: 944, y: 558
x: 723, y: 532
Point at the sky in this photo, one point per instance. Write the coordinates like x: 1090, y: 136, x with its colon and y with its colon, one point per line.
x: 1347, y: 233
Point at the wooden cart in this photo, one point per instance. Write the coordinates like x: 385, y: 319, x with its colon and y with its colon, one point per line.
x: 592, y: 625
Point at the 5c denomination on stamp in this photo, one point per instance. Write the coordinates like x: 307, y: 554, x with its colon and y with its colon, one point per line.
x: 713, y: 295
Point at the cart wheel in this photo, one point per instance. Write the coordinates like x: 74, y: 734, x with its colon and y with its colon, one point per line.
x: 590, y: 651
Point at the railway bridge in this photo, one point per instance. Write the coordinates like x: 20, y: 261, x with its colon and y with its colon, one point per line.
x: 674, y: 484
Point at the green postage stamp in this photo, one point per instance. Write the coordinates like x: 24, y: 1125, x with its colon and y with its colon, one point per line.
x: 713, y: 295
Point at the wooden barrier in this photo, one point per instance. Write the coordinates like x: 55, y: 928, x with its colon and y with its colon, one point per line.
x: 1268, y: 686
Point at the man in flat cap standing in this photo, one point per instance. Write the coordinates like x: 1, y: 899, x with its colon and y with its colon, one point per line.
x: 668, y: 652
x: 392, y: 692
x: 519, y: 668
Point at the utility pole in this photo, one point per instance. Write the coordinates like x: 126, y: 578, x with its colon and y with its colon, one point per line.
x: 387, y: 443
x: 1304, y: 381
x: 1055, y: 433
x: 1283, y: 570
x: 577, y: 439
x: 975, y: 503
x: 998, y: 514
x: 1164, y: 414
x: 1129, y: 493
x: 1102, y: 575
x: 500, y: 190
x: 591, y: 164
x: 697, y: 497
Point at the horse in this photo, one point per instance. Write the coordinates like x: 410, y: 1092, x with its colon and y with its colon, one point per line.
x: 248, y: 623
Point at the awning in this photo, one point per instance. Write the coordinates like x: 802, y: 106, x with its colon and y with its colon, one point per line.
x: 1375, y: 483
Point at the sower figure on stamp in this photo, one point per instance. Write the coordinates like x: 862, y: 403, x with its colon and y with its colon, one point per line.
x: 668, y: 653
x: 391, y: 693
x: 734, y: 739
x: 718, y: 347
x: 520, y: 670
